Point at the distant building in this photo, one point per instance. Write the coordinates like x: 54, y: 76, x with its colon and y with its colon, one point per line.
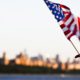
x: 22, y: 59
x: 37, y: 61
x: 34, y: 58
x: 57, y: 59
x: 12, y: 62
x: 4, y: 60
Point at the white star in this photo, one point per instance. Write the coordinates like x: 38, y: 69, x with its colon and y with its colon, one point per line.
x: 57, y: 16
x: 60, y: 18
x: 54, y: 11
x: 46, y: 1
x: 51, y: 3
x: 58, y: 13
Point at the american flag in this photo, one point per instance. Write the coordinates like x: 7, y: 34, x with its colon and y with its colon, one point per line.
x: 65, y: 18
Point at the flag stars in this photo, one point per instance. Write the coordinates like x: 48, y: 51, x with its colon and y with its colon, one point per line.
x: 60, y: 18
x: 51, y: 3
x: 46, y: 1
x: 53, y: 7
x: 55, y: 12
x: 57, y: 16
x: 58, y: 13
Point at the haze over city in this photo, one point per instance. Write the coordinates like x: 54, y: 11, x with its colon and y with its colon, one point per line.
x: 30, y: 26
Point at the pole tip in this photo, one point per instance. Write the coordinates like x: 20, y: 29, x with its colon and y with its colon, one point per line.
x: 77, y: 56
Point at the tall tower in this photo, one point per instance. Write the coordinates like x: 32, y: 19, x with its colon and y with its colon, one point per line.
x: 5, y: 59
x: 57, y: 59
x: 4, y: 56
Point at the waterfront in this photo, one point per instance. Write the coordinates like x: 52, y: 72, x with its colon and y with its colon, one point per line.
x: 39, y: 77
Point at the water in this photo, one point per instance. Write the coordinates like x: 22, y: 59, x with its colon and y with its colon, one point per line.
x: 39, y: 77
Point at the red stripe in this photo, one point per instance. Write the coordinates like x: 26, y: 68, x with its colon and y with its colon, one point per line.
x: 63, y: 6
x: 78, y: 28
x: 67, y: 17
x: 73, y: 33
x: 79, y: 23
x: 66, y: 12
x: 67, y: 32
x: 70, y: 36
x: 62, y: 26
x: 69, y: 25
x: 75, y: 30
x: 79, y: 37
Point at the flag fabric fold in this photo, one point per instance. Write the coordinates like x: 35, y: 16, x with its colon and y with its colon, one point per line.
x: 65, y: 18
x: 78, y: 27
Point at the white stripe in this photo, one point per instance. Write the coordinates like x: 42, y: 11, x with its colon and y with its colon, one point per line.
x: 68, y: 34
x: 72, y: 26
x: 78, y: 34
x: 66, y: 14
x: 76, y: 20
x: 69, y: 20
x: 78, y: 31
x: 65, y: 29
x: 61, y: 22
x: 64, y: 9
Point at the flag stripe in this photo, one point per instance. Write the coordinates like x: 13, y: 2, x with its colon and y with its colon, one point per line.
x: 65, y: 7
x: 75, y: 30
x: 62, y: 26
x: 67, y: 32
x: 78, y: 23
x: 70, y: 35
x: 66, y: 19
x: 69, y: 25
x: 65, y: 29
x: 73, y: 25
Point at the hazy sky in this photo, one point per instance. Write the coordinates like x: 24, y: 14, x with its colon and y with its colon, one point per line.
x: 28, y: 24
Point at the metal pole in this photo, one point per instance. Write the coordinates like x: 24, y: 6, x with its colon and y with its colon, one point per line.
x: 74, y: 47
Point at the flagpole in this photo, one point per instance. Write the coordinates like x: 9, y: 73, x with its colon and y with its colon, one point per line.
x: 75, y: 49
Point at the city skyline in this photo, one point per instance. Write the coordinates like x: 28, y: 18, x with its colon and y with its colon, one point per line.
x: 24, y: 60
x: 30, y: 25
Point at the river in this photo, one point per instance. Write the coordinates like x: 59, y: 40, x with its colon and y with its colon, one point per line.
x: 39, y: 77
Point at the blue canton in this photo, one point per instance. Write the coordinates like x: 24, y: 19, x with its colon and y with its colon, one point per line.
x: 56, y: 10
